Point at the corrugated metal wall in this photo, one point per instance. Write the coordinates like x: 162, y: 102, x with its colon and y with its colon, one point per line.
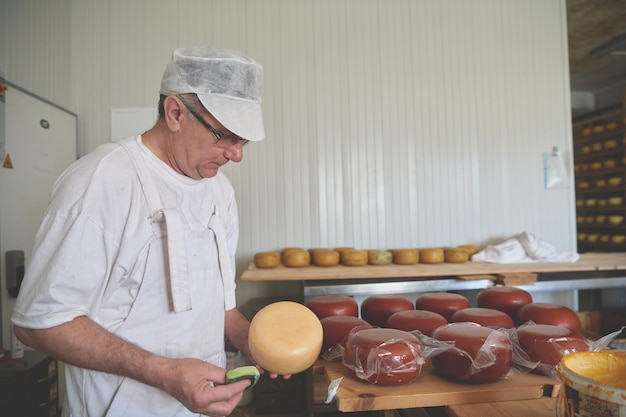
x: 389, y: 123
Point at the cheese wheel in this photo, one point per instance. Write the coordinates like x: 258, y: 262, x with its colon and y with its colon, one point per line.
x: 406, y: 256
x: 506, y: 299
x: 444, y: 303
x: 470, y: 248
x: 333, y: 305
x: 337, y: 328
x: 351, y: 257
x: 376, y: 309
x: 549, y: 313
x: 487, y: 317
x: 456, y: 255
x: 383, y: 356
x: 325, y: 257
x: 479, y: 355
x: 285, y: 337
x: 267, y: 259
x: 547, y: 344
x: 285, y: 250
x: 431, y: 256
x: 409, y: 320
x: 379, y: 257
x: 296, y: 258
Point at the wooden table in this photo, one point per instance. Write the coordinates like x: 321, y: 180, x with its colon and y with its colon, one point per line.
x: 429, y: 390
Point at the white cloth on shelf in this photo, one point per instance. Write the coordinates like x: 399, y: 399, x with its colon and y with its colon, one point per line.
x: 522, y: 248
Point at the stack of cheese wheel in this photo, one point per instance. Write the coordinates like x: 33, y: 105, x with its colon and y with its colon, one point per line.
x: 549, y: 313
x: 383, y: 356
x: 547, y: 344
x: 479, y: 355
x: 325, y: 257
x: 333, y: 305
x: 444, y: 303
x: 409, y: 320
x: 296, y: 257
x: 285, y: 337
x: 337, y: 328
x: 376, y: 309
x: 267, y: 259
x: 432, y: 255
x: 506, y: 299
x: 405, y: 256
x: 487, y: 317
x: 353, y: 257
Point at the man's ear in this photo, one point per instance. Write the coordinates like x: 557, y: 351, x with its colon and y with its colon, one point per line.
x: 173, y: 109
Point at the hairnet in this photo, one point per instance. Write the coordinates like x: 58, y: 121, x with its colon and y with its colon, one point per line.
x: 227, y: 82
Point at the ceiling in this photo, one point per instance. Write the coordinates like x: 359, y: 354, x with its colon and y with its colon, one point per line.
x: 592, y: 23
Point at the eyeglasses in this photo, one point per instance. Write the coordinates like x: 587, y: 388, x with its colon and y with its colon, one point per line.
x: 227, y: 140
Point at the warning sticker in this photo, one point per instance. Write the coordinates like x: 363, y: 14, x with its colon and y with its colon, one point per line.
x: 7, y: 162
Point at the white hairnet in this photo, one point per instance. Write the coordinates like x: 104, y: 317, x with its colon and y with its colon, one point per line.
x: 227, y: 82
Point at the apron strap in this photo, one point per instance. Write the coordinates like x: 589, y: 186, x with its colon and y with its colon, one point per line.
x: 221, y: 238
x: 177, y: 252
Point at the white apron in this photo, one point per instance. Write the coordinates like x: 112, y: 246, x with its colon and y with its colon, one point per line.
x: 179, y: 317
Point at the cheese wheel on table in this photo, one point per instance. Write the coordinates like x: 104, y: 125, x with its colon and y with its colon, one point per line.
x: 267, y: 259
x: 444, y: 303
x: 406, y: 256
x: 506, y: 299
x: 325, y: 257
x: 383, y: 356
x: 333, y: 305
x: 479, y: 355
x: 285, y: 337
x: 409, y: 320
x: 487, y: 317
x: 549, y: 313
x: 379, y: 257
x: 456, y: 255
x: 376, y: 309
x: 547, y: 344
x: 352, y: 257
x: 296, y: 258
x: 431, y: 256
x: 472, y: 249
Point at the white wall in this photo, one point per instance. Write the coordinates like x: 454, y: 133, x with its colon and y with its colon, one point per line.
x: 389, y: 123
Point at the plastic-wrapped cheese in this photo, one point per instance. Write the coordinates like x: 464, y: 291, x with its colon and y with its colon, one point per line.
x: 285, y: 337
x: 333, y: 305
x: 549, y: 313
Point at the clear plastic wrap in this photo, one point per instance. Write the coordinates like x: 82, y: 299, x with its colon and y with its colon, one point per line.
x: 479, y: 354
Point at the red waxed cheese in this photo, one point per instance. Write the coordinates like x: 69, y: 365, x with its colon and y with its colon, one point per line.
x: 470, y: 338
x: 549, y: 313
x: 487, y: 317
x: 333, y: 305
x: 383, y: 356
x: 376, y: 309
x: 337, y: 328
x: 506, y: 299
x: 424, y: 321
x: 547, y: 344
x: 444, y: 303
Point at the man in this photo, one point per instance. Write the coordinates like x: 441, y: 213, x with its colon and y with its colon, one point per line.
x: 131, y: 280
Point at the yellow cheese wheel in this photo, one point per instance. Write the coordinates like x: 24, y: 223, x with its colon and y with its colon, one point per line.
x: 296, y: 258
x: 456, y: 255
x: 351, y: 257
x: 267, y: 259
x: 609, y: 163
x: 469, y: 248
x: 379, y: 257
x: 342, y: 248
x: 325, y: 257
x: 285, y: 337
x: 431, y: 256
x: 597, y: 129
x: 406, y: 256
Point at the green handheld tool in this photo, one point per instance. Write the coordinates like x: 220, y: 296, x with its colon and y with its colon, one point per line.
x: 243, y: 372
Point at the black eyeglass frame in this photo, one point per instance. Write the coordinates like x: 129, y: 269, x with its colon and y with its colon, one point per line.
x: 233, y: 139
